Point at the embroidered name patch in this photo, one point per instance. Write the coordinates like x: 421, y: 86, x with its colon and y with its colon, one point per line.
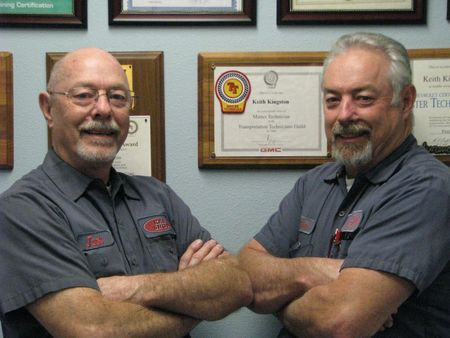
x: 95, y: 240
x: 306, y: 225
x: 156, y: 226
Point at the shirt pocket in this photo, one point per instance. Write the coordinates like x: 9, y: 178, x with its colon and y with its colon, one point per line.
x: 102, y: 254
x: 303, y: 246
x: 349, y: 231
x: 160, y: 240
x: 346, y: 240
x: 163, y: 250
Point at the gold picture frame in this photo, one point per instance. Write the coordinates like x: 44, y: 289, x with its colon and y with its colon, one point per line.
x: 149, y: 89
x: 431, y: 76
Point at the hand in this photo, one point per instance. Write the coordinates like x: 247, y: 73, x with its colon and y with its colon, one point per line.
x: 199, y: 251
x: 389, y: 322
x: 118, y: 288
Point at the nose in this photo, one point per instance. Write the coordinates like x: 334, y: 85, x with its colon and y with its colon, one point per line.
x: 102, y: 107
x: 347, y: 110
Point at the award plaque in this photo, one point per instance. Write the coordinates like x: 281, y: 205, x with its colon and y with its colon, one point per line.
x: 261, y: 109
x: 6, y: 111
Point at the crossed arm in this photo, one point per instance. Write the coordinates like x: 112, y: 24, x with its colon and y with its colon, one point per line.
x: 313, y: 299
x: 153, y: 305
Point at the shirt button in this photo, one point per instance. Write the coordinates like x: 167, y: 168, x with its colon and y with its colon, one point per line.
x: 134, y: 261
x: 341, y: 213
x: 104, y: 261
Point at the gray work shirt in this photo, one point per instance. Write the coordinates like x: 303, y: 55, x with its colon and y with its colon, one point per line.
x: 60, y: 229
x: 395, y: 219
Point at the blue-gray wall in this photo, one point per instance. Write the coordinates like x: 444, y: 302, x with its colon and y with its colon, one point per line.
x: 233, y: 204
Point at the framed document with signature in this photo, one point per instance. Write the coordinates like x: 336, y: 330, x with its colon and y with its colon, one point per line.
x: 261, y: 109
x: 176, y: 12
x: 431, y: 76
x: 351, y: 11
x: 6, y: 111
x: 48, y: 13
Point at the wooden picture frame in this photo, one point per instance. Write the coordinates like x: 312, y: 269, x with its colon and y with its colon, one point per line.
x: 6, y: 111
x: 149, y: 89
x: 289, y: 14
x: 210, y: 144
x: 76, y: 17
x: 181, y: 16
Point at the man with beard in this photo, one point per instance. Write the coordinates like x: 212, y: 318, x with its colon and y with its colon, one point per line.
x: 89, y: 252
x: 360, y: 247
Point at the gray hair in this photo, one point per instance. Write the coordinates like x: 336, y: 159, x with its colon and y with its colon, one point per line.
x: 400, y: 68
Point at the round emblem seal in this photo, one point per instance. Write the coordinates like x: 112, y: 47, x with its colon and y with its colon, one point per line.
x: 271, y: 78
x: 233, y: 90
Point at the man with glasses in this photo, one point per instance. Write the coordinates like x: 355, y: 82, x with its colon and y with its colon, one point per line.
x: 360, y: 247
x: 89, y: 252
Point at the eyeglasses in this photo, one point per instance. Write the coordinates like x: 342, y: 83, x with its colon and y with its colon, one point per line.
x: 85, y: 96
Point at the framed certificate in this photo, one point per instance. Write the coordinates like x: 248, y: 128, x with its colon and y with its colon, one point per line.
x: 6, y: 110
x: 43, y: 13
x: 351, y: 12
x: 180, y: 12
x: 143, y: 152
x: 261, y: 109
x: 431, y: 76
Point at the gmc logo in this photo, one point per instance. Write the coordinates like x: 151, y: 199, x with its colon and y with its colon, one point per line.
x: 270, y: 150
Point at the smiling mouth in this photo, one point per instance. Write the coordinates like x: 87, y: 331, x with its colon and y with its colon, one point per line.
x: 351, y: 138
x: 99, y: 132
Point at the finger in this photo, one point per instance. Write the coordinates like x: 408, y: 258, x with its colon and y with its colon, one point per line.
x: 389, y: 323
x: 215, y: 252
x: 198, y: 256
x: 187, y: 256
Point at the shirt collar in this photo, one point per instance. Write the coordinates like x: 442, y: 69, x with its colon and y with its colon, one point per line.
x: 383, y: 170
x: 69, y: 180
x: 73, y: 183
x: 389, y: 166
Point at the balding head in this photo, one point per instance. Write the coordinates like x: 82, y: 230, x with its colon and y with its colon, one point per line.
x: 77, y: 59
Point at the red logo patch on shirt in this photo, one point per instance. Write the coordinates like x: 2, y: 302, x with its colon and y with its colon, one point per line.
x: 156, y: 226
x: 353, y: 221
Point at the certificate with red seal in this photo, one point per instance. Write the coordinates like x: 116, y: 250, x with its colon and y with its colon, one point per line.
x: 268, y: 111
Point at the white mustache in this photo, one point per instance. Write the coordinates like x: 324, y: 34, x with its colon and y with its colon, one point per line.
x: 100, y: 126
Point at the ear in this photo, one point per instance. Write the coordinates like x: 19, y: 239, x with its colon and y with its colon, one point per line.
x: 44, y: 104
x: 408, y: 100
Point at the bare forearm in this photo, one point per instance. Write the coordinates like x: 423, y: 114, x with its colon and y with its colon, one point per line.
x: 85, y: 313
x: 152, y: 323
x: 209, y: 291
x: 358, y: 304
x: 278, y: 281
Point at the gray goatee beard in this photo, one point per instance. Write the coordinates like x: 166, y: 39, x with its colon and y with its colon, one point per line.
x: 354, y: 156
x: 103, y: 154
